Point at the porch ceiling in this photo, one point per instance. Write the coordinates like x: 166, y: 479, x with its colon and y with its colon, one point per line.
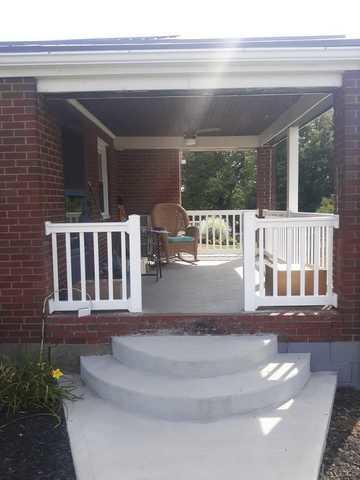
x: 175, y: 114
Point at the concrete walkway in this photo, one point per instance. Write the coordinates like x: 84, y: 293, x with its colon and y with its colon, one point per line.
x: 274, y: 444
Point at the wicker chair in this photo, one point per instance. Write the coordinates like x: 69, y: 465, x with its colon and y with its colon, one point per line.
x: 181, y: 236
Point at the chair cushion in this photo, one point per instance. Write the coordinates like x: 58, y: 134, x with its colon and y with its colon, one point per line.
x: 180, y: 239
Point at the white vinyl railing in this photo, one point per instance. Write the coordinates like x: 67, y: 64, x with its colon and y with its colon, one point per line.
x: 288, y: 259
x: 96, y: 265
x: 219, y: 229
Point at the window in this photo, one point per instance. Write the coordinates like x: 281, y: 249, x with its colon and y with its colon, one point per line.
x: 103, y: 179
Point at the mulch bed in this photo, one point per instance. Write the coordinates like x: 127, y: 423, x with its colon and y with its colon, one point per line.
x: 342, y: 454
x: 33, y: 448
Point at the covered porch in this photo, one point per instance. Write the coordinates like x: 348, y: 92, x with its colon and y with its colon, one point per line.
x: 129, y: 145
x: 284, y: 258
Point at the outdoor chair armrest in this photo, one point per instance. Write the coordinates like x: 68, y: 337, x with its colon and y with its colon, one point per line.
x: 192, y: 231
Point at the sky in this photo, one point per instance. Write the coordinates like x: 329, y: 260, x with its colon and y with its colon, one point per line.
x: 61, y: 19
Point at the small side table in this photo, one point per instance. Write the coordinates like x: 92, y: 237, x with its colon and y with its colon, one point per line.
x: 154, y: 250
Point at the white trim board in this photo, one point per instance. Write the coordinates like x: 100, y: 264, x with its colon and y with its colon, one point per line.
x: 177, y: 81
x: 86, y: 113
x: 215, y: 143
x: 183, y: 69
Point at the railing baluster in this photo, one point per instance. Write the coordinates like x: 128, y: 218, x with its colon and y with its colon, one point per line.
x: 68, y: 266
x: 123, y: 266
x: 200, y: 236
x: 207, y: 230
x: 316, y: 259
x: 288, y: 262
x: 55, y: 266
x: 227, y: 230
x: 261, y: 262
x: 82, y: 266
x: 275, y: 237
x: 213, y: 232
x: 220, y: 231
x: 96, y: 266
x: 302, y: 260
x: 329, y: 254
x: 234, y: 231
x: 110, y: 267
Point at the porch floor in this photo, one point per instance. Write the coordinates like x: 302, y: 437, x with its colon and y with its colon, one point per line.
x: 211, y: 285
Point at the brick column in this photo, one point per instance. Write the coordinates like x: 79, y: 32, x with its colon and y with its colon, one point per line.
x: 266, y: 178
x: 31, y: 192
x: 347, y: 238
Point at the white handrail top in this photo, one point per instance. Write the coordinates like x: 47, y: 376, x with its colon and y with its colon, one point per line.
x: 289, y: 213
x: 332, y: 220
x: 216, y: 212
x: 51, y: 227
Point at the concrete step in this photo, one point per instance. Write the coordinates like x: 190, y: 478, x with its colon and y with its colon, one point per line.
x: 194, y: 356
x: 197, y: 399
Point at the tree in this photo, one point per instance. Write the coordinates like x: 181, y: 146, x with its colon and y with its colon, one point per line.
x: 225, y: 180
x: 219, y: 180
x: 315, y: 165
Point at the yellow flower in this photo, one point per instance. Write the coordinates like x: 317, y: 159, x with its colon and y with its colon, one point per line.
x: 57, y: 373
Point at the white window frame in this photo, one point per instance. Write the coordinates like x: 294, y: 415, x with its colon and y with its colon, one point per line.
x: 101, y: 148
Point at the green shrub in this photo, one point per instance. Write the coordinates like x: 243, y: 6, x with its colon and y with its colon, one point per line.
x: 217, y: 228
x: 327, y: 205
x: 30, y: 386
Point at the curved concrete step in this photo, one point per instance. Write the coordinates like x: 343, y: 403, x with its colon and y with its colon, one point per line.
x: 197, y: 399
x: 194, y: 356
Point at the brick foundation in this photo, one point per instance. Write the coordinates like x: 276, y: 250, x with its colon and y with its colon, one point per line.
x: 265, y: 178
x: 293, y: 326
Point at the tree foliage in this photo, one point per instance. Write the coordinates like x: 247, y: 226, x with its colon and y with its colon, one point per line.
x: 219, y: 180
x: 315, y: 165
x: 225, y: 180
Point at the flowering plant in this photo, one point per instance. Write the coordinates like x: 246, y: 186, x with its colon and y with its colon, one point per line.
x: 32, y: 385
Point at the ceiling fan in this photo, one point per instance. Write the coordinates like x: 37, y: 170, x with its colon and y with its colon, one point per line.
x: 191, y: 136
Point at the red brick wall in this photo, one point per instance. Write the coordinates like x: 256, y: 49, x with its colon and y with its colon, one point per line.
x: 347, y: 240
x: 265, y: 178
x: 147, y: 177
x: 31, y: 192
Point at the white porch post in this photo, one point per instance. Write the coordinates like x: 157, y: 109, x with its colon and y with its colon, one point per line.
x: 293, y: 169
x: 249, y: 227
x: 135, y: 264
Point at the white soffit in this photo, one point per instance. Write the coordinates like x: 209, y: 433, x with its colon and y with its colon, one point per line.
x: 304, y: 110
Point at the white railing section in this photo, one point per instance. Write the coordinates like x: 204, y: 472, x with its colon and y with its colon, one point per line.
x: 288, y: 259
x: 96, y: 265
x: 219, y: 229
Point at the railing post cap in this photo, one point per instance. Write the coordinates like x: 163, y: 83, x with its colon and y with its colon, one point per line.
x: 47, y: 227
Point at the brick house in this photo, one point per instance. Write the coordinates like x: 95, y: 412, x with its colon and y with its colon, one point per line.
x: 84, y: 122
